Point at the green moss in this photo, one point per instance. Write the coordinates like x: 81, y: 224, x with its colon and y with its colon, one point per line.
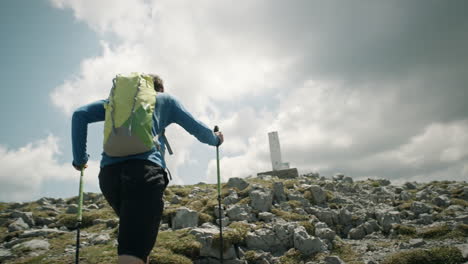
x: 294, y: 203
x: 440, y: 231
x: 70, y: 220
x: 252, y: 257
x: 405, y: 230
x: 405, y: 206
x: 165, y: 256
x: 182, y: 191
x: 310, y: 228
x: 289, y: 184
x: 459, y: 202
x: 245, y: 200
x: 446, y: 255
x: 345, y: 252
x: 375, y: 184
x: 289, y: 216
x: 234, y: 235
x: 179, y: 242
x: 292, y: 256
x: 204, y: 218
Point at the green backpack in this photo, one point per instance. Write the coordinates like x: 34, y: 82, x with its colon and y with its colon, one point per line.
x: 129, y: 115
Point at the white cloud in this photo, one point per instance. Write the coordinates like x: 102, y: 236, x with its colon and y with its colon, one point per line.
x: 356, y: 103
x: 26, y: 169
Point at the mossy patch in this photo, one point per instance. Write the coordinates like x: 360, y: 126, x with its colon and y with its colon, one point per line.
x: 309, y: 227
x: 289, y: 216
x: 345, y: 252
x: 70, y: 220
x: 234, y: 235
x: 405, y: 230
x: 292, y: 256
x: 459, y: 202
x: 165, y: 256
x: 179, y: 242
x: 446, y: 255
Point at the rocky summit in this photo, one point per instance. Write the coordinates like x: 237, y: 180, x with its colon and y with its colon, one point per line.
x: 266, y: 220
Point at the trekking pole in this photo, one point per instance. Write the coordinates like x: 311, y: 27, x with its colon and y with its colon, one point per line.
x: 221, y: 250
x: 80, y: 216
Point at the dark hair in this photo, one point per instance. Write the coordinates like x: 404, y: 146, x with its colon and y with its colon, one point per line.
x: 158, y: 82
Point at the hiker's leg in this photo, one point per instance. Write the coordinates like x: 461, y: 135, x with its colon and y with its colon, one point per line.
x: 143, y: 185
x: 126, y: 259
x: 109, y: 182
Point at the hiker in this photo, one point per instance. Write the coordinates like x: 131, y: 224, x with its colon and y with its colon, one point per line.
x: 134, y: 184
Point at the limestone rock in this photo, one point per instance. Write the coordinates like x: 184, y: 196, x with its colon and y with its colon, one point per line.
x: 40, y: 232
x: 278, y: 192
x: 72, y: 209
x: 99, y: 239
x: 240, y: 212
x: 325, y: 233
x: 387, y: 219
x: 318, y: 194
x: 333, y: 260
x: 185, y: 217
x: 26, y: 216
x: 238, y: 183
x: 205, y: 235
x: 306, y: 244
x: 5, y: 254
x: 18, y: 225
x: 261, y: 200
x: 420, y: 208
x: 33, y: 245
x: 357, y: 232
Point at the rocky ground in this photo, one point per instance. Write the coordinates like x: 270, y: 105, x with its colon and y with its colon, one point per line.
x: 310, y: 219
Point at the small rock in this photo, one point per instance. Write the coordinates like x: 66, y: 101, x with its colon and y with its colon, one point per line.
x: 100, y: 239
x: 175, y: 199
x: 325, y: 233
x: 26, y: 216
x: 72, y: 209
x: 40, y: 232
x: 318, y: 194
x: 348, y: 179
x: 306, y: 244
x: 5, y: 254
x: 420, y: 208
x: 357, y: 233
x: 266, y: 216
x: 185, y: 217
x: 416, y: 243
x: 278, y: 192
x: 33, y: 245
x: 333, y: 260
x: 261, y: 200
x: 238, y: 183
x: 409, y: 186
x: 93, y: 207
x: 441, y: 201
x: 18, y: 225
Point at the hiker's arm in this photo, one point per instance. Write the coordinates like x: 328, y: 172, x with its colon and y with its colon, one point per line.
x: 83, y: 116
x: 195, y: 127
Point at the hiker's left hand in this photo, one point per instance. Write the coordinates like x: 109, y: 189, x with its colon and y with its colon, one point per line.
x: 78, y: 168
x: 220, y: 135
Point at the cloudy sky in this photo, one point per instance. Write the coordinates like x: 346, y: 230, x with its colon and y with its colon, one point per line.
x: 367, y: 88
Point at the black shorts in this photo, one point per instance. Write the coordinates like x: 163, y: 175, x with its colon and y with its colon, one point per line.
x: 135, y: 189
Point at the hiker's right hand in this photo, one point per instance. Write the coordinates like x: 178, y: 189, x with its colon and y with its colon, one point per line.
x: 78, y: 168
x: 219, y: 134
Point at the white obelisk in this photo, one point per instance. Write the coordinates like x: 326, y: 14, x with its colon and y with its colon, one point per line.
x: 275, y: 152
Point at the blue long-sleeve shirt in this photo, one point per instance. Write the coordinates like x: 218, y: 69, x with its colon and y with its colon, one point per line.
x: 168, y: 110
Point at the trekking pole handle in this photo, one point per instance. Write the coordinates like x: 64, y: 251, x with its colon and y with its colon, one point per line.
x: 216, y: 129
